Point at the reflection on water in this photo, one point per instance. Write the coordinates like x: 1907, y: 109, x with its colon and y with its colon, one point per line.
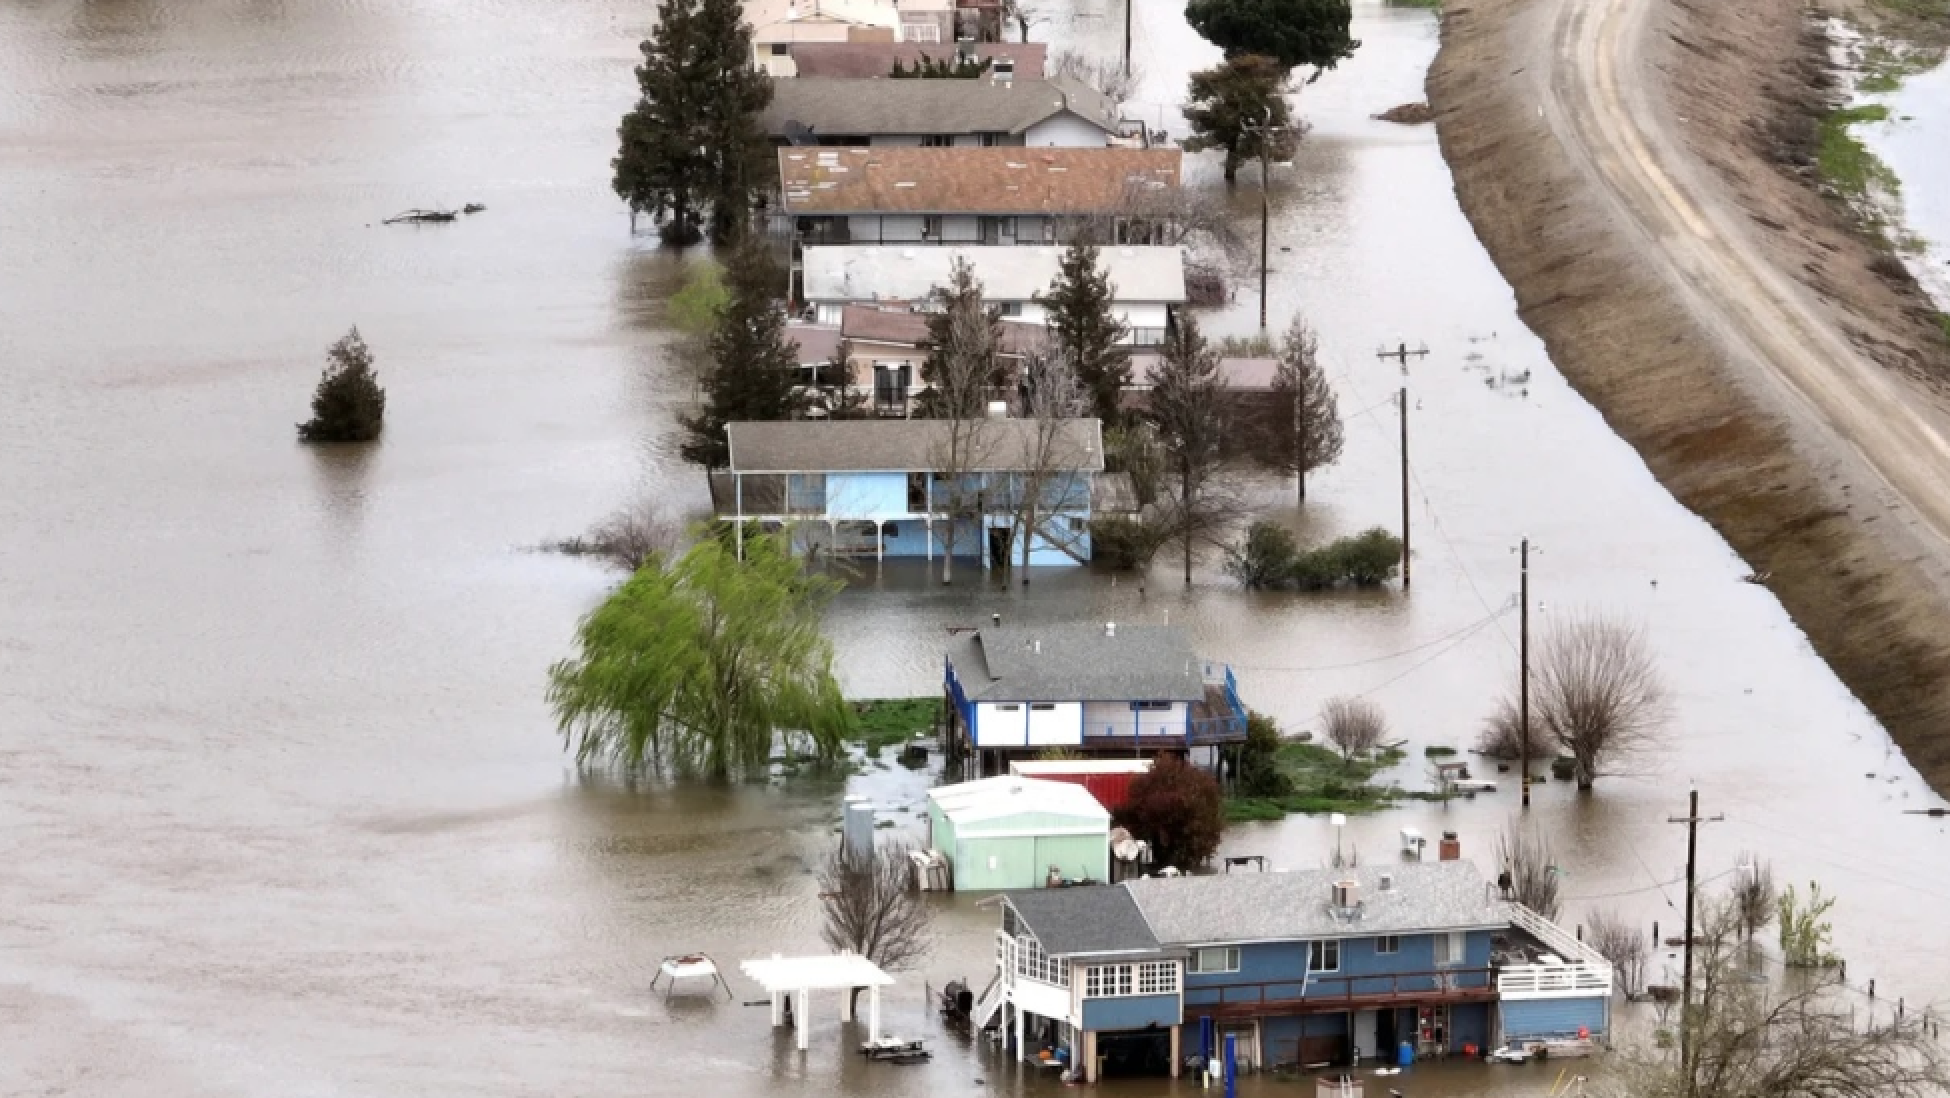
x: 291, y: 815
x: 1915, y: 143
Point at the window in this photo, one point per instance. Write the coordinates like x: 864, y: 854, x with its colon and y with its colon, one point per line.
x: 1032, y: 962
x: 1157, y: 978
x: 1218, y: 959
x: 1449, y: 948
x: 1010, y: 707
x: 1324, y: 956
x: 919, y: 31
x: 931, y: 227
x: 1042, y: 707
x: 991, y: 140
x: 1152, y: 707
x: 937, y: 141
x: 1010, y: 308
x: 780, y: 49
x: 1107, y: 981
x: 1387, y: 943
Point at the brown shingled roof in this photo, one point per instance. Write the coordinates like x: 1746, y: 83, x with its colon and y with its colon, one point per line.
x: 868, y: 60
x: 905, y: 327
x: 999, y: 180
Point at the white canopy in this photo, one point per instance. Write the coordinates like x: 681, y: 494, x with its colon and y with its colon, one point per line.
x: 834, y: 972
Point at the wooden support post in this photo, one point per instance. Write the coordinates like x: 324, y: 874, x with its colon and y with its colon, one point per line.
x: 804, y: 1019
x: 1176, y: 1055
x: 873, y: 1013
x: 778, y: 1010
x: 1089, y: 1055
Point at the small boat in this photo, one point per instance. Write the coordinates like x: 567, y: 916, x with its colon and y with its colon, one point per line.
x: 897, y: 1050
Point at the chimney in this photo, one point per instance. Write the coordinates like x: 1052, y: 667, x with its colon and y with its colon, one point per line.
x: 1036, y: 646
x: 1110, y: 629
x: 1386, y: 884
x: 1347, y: 893
x: 1450, y: 849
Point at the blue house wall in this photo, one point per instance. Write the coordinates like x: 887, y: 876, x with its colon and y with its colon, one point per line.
x: 1130, y: 1012
x: 866, y: 495
x: 1281, y: 967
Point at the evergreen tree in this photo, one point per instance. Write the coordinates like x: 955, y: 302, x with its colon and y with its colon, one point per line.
x: 1192, y: 413
x: 964, y: 336
x: 692, y: 143
x: 1084, y: 331
x: 1291, y: 32
x: 753, y: 373
x: 1305, y: 426
x: 348, y: 405
x: 1240, y: 108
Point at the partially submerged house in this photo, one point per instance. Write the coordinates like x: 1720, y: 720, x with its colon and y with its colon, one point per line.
x: 991, y: 110
x: 1014, y: 832
x: 916, y: 487
x: 1148, y: 281
x: 782, y: 27
x: 876, y: 60
x: 1306, y: 967
x: 960, y: 196
x: 1020, y: 690
x: 886, y: 347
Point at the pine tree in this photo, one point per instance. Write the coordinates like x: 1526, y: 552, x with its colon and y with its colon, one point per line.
x: 1189, y: 405
x: 1305, y: 423
x: 1085, y: 331
x: 754, y: 369
x: 348, y: 405
x: 692, y: 143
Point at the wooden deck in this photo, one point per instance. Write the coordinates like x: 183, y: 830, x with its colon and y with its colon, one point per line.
x: 1336, y: 994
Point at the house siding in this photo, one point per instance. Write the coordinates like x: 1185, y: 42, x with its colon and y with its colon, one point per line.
x: 1065, y: 130
x: 1001, y: 728
x: 1058, y: 726
x: 866, y: 495
x: 1117, y: 718
x: 1129, y: 1012
x: 1278, y: 970
x: 1529, y: 1018
x: 1024, y: 861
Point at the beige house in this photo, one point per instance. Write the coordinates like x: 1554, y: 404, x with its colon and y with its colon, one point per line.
x: 780, y: 25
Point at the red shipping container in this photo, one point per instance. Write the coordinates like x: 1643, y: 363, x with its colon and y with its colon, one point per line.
x: 1108, y: 780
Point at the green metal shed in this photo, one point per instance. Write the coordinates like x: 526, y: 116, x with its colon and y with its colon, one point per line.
x: 1008, y: 832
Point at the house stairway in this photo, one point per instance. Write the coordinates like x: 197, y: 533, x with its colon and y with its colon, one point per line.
x: 989, y: 1005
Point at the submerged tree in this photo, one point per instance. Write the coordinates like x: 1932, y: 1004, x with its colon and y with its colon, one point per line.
x: 1306, y: 422
x: 348, y: 405
x: 1086, y: 333
x: 1240, y: 109
x: 1190, y: 409
x: 1529, y: 875
x: 754, y: 369
x: 692, y: 146
x: 962, y: 371
x: 1353, y: 725
x: 1625, y: 946
x: 1291, y: 32
x: 869, y: 906
x: 702, y: 664
x: 1597, y: 693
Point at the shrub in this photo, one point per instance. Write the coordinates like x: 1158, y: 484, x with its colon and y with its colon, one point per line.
x: 1266, y: 559
x: 1178, y: 809
x: 348, y: 405
x: 1259, y: 765
x: 1122, y: 543
x: 1269, y: 558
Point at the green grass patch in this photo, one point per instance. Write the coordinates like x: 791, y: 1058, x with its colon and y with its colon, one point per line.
x: 890, y: 722
x: 1943, y: 322
x: 1322, y: 782
x: 1438, y: 751
x: 1847, y: 165
x: 1431, y: 5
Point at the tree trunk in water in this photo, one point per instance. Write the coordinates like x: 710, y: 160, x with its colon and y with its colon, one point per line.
x: 1302, y: 478
x: 948, y: 555
x: 1028, y: 535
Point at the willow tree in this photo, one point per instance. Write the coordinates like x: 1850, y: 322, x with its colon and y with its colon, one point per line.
x: 703, y: 664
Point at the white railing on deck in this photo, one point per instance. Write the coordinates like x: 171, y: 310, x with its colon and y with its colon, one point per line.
x: 1584, y: 971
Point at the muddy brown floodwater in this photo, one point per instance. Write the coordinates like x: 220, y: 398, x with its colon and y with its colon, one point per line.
x: 282, y: 806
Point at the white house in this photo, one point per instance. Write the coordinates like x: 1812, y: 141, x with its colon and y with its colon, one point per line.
x: 780, y: 25
x: 979, y: 112
x: 1147, y: 281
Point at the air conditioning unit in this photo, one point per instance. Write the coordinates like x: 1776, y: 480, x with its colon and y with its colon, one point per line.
x: 1347, y: 893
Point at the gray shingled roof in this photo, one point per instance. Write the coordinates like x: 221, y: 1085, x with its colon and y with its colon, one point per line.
x: 1245, y: 907
x: 902, y: 446
x: 1085, y: 920
x: 1079, y: 663
x: 870, y: 107
x: 875, y: 60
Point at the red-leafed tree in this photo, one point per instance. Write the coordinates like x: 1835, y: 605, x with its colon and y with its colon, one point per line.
x: 1178, y: 809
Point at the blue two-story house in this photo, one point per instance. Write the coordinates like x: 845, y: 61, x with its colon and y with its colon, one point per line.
x: 1018, y: 690
x: 918, y: 487
x: 1307, y: 968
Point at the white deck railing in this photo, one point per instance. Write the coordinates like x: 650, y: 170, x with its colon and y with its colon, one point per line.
x: 1584, y: 970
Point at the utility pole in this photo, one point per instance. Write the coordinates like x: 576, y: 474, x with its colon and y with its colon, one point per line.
x: 1404, y: 406
x: 1692, y: 819
x: 1523, y: 659
x: 1128, y: 5
x: 1264, y: 132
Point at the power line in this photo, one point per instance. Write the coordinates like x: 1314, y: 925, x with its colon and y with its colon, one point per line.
x: 1378, y: 659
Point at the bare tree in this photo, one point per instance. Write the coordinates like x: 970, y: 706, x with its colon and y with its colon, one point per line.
x: 1353, y: 725
x: 1502, y: 735
x: 1624, y: 945
x: 1754, y: 896
x: 1110, y: 79
x: 1802, y: 1037
x: 871, y: 907
x: 1052, y: 477
x: 1528, y: 875
x: 1306, y: 420
x: 1024, y: 14
x: 1192, y: 412
x: 1596, y: 693
x: 962, y: 371
x: 629, y: 538
x: 1152, y: 212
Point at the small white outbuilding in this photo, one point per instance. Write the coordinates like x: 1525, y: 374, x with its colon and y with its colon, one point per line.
x: 1013, y: 832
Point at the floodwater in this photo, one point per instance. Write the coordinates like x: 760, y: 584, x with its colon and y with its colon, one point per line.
x: 283, y: 809
x: 1915, y: 143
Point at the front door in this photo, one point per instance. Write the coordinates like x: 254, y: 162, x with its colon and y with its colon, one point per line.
x: 1386, y: 1037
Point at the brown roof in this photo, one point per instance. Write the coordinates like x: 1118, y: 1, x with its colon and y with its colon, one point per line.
x: 816, y: 344
x: 998, y: 180
x: 867, y: 60
x: 866, y: 323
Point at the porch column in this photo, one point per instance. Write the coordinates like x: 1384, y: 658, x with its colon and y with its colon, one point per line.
x: 873, y: 1014
x: 778, y: 1010
x: 929, y: 523
x: 805, y: 1018
x: 846, y: 1004
x: 1176, y: 1056
x: 1020, y: 1036
x: 1090, y: 1056
x: 879, y: 540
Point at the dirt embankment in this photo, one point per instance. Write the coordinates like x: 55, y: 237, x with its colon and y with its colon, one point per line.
x: 1857, y: 571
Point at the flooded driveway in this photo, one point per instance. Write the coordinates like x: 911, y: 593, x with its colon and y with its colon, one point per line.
x: 285, y: 809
